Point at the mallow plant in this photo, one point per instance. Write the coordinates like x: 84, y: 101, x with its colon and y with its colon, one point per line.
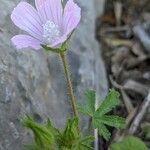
x: 48, y: 26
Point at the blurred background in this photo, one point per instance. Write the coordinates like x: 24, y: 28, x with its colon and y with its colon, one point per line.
x: 124, y: 33
x: 110, y: 48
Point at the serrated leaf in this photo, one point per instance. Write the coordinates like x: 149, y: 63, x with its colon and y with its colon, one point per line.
x: 110, y: 102
x: 89, y: 107
x: 112, y: 120
x: 129, y: 143
x: 100, y: 119
x: 103, y: 131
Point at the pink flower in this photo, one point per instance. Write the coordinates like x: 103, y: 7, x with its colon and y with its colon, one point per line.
x: 48, y: 24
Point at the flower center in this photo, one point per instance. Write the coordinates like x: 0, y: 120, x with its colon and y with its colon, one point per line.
x: 51, y: 32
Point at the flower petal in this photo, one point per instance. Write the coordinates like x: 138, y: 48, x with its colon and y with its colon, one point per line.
x: 26, y: 18
x: 71, y: 17
x: 51, y: 10
x: 60, y: 41
x: 24, y: 41
x: 38, y: 3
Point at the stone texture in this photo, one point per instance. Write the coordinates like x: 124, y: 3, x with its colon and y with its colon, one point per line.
x: 33, y: 82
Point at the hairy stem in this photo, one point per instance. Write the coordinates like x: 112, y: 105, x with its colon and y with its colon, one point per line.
x: 69, y: 84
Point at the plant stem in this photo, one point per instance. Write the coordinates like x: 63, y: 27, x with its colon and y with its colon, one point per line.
x: 90, y: 125
x: 69, y: 84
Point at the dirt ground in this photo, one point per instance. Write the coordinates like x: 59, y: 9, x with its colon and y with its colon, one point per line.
x: 124, y: 31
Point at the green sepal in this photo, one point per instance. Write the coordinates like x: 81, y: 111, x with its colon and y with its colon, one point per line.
x: 61, y: 49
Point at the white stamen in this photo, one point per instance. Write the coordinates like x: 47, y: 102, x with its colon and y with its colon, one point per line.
x: 51, y: 32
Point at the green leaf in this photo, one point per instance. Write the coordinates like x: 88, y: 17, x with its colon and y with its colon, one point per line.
x: 83, y: 143
x: 71, y: 130
x: 146, y: 129
x: 31, y: 147
x: 110, y: 102
x: 129, y: 143
x: 47, y: 137
x: 99, y: 117
x: 71, y: 140
x: 53, y: 130
x: 89, y: 107
x: 103, y: 131
x: 42, y: 135
x: 70, y: 134
x: 111, y: 120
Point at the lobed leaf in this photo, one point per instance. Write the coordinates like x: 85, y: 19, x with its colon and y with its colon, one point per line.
x: 104, y: 132
x: 112, y: 120
x: 89, y: 107
x: 110, y: 102
x: 129, y: 143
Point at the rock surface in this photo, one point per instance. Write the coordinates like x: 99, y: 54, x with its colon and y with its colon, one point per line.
x: 32, y: 82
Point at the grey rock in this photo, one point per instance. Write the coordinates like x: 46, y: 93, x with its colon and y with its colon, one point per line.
x: 33, y: 82
x: 99, y: 7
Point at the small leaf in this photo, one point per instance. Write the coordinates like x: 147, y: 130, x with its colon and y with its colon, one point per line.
x: 129, y: 143
x: 89, y: 107
x: 100, y: 119
x: 83, y: 143
x: 110, y: 102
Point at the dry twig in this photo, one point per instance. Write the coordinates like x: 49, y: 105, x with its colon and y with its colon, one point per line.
x: 140, y: 115
x: 126, y: 99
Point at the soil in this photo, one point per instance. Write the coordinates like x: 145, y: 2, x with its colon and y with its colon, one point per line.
x: 124, y: 31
